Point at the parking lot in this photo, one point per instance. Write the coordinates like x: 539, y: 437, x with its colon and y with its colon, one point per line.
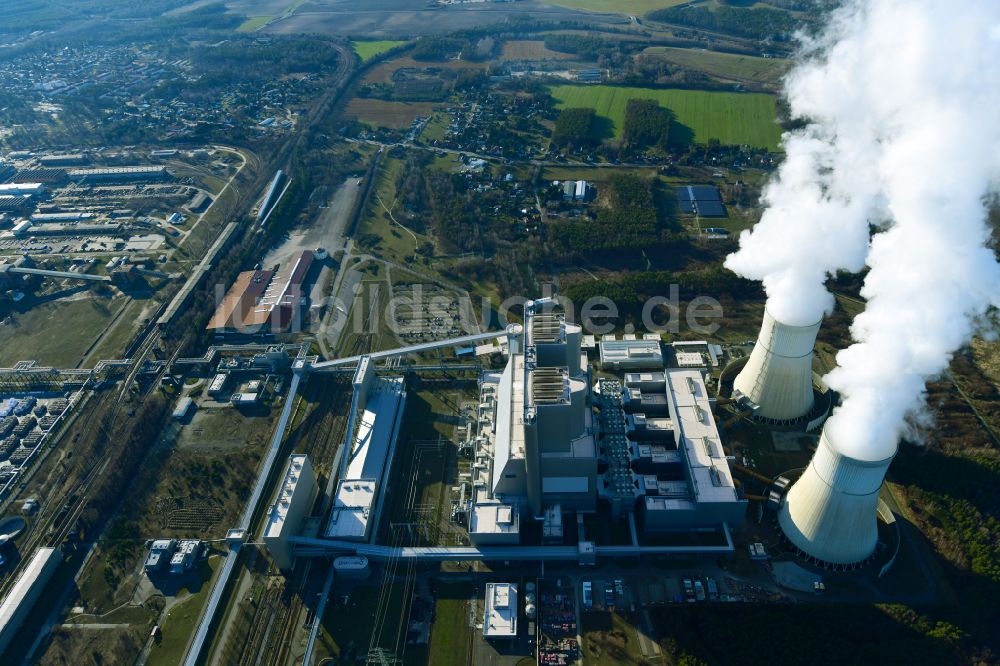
x: 426, y: 312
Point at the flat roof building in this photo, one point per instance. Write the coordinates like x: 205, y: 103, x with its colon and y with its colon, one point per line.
x: 500, y: 617
x: 381, y: 402
x: 218, y: 384
x: 633, y: 354
x: 22, y: 189
x: 118, y: 174
x: 22, y: 596
x: 493, y: 523
x: 159, y: 554
x: 183, y: 408
x: 62, y: 160
x: 712, y: 496
x: 185, y: 556
x: 291, y: 507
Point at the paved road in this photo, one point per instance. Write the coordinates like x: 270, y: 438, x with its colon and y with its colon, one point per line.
x: 566, y: 164
x: 219, y: 195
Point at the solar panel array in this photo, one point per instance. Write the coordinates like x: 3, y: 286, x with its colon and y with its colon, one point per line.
x: 703, y: 200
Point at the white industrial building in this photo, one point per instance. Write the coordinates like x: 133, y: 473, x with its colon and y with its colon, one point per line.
x: 291, y: 507
x: 119, y: 174
x: 536, y: 444
x: 778, y: 376
x: 22, y: 189
x: 160, y: 552
x: 22, y: 596
x: 830, y: 512
x: 379, y: 403
x: 631, y: 353
x: 500, y: 616
x: 706, y: 492
x: 185, y: 557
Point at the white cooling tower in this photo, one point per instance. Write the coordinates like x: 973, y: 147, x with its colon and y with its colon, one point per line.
x: 778, y: 374
x: 829, y: 513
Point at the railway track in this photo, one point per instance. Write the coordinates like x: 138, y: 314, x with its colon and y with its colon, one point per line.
x: 107, y: 423
x: 321, y: 439
x: 55, y: 524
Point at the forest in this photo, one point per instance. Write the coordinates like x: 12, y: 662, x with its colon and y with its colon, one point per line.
x: 762, y: 23
x: 630, y: 291
x: 647, y: 125
x: 574, y: 128
x: 628, y: 222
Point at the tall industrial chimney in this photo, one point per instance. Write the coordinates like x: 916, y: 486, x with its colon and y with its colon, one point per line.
x: 778, y: 374
x: 829, y: 513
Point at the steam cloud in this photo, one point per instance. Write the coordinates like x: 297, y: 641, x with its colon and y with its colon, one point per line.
x: 901, y: 99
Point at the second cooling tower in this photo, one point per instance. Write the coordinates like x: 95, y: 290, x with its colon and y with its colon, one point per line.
x: 830, y: 512
x: 778, y: 374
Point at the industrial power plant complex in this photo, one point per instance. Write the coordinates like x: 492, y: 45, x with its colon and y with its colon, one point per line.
x: 576, y: 449
x: 494, y: 333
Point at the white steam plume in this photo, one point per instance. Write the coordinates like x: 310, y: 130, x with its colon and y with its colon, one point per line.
x: 903, y: 99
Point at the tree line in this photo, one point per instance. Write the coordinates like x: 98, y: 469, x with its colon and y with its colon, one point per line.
x: 763, y: 23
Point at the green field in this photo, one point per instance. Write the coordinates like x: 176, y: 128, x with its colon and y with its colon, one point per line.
x: 726, y: 65
x: 450, y: 631
x: 367, y: 50
x: 254, y: 23
x: 732, y: 118
x: 180, y: 621
x: 41, y: 332
x: 631, y: 7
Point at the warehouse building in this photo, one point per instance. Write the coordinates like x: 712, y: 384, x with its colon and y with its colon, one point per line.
x: 239, y: 301
x: 126, y: 174
x: 13, y: 203
x: 264, y: 301
x: 281, y: 304
x: 22, y: 189
x: 46, y: 175
x: 67, y: 159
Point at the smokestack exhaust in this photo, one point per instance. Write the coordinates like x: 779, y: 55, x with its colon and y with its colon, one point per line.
x: 778, y: 374
x: 830, y: 512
